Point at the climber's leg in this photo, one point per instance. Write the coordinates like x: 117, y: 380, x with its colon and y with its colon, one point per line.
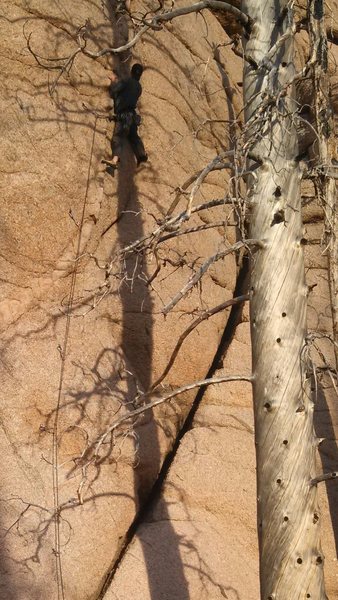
x: 116, y: 145
x: 137, y: 144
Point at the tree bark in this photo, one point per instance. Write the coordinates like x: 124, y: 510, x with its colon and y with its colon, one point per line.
x: 291, y: 560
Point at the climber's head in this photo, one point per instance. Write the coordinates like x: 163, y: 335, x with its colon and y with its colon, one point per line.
x: 136, y: 71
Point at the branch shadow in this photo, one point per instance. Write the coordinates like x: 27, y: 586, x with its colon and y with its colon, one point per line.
x: 155, y: 533
x: 9, y: 588
x: 137, y: 335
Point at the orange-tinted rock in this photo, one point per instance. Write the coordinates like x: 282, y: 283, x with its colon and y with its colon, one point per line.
x: 72, y: 338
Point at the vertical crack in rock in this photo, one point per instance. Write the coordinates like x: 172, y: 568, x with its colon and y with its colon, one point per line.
x: 155, y: 492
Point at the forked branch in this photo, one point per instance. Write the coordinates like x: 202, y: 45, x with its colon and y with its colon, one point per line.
x: 181, y: 390
x: 205, y: 315
x: 154, y: 22
x: 204, y: 267
x: 158, y: 20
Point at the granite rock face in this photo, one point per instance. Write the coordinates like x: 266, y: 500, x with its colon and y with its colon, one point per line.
x: 82, y: 328
x: 198, y: 539
x: 77, y: 345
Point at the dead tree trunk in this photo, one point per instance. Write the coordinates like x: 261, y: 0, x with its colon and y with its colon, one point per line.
x: 291, y: 560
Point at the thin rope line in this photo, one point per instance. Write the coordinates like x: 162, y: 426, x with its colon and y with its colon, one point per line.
x: 55, y: 459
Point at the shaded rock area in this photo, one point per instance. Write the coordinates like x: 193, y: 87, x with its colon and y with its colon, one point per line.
x: 82, y: 328
x: 210, y: 497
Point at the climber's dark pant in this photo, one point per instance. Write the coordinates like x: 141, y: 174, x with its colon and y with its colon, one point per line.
x: 126, y: 125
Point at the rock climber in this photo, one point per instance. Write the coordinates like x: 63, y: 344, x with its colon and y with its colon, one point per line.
x: 125, y: 93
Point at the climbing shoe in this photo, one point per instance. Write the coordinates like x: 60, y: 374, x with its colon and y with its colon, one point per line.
x: 142, y: 159
x: 110, y: 163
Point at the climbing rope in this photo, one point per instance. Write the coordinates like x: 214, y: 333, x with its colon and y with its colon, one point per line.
x: 63, y: 353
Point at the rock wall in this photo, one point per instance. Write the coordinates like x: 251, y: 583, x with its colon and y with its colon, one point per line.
x: 77, y: 347
x: 209, y: 491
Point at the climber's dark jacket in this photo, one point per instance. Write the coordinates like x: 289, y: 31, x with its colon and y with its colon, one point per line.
x: 125, y: 94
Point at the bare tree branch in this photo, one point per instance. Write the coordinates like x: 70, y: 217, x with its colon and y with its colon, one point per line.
x: 205, y: 266
x: 206, y: 314
x: 324, y: 477
x: 153, y: 23
x: 157, y: 21
x: 142, y: 409
x: 214, y: 165
x: 196, y: 229
x: 171, y: 224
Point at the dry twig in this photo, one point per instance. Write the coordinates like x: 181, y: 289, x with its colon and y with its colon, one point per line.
x: 206, y: 314
x: 203, y: 269
x: 142, y: 409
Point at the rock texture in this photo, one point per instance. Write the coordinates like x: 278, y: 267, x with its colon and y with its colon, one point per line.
x: 77, y: 347
x: 211, y: 481
x: 199, y: 539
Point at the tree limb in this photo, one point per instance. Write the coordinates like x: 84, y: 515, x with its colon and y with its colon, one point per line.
x: 156, y: 21
x: 198, y: 177
x: 142, y: 409
x: 192, y: 326
x: 324, y: 477
x: 205, y: 266
x: 171, y: 224
x: 152, y: 23
x: 196, y: 229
